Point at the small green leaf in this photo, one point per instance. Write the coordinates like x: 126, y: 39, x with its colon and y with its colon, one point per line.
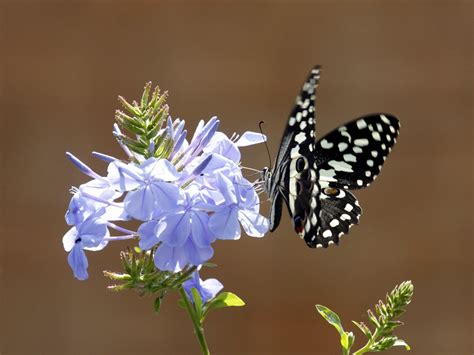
x: 130, y: 108
x: 345, y: 340
x: 364, y: 329
x: 400, y: 342
x: 373, y: 319
x: 351, y: 339
x: 331, y: 317
x: 145, y: 95
x: 157, y: 304
x: 181, y: 303
x: 226, y: 299
x: 197, y: 302
x: 210, y: 264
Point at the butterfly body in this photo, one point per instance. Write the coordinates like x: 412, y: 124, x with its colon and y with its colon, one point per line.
x: 313, y: 178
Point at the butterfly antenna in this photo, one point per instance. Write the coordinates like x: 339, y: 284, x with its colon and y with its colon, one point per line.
x: 266, y: 145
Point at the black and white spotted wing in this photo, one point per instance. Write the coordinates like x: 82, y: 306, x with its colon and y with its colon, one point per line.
x: 352, y: 155
x: 313, y: 178
x: 294, y: 176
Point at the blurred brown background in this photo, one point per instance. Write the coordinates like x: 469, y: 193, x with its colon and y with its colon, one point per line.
x: 63, y: 64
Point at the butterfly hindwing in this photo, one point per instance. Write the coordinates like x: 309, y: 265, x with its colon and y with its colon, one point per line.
x: 352, y: 155
x: 339, y: 211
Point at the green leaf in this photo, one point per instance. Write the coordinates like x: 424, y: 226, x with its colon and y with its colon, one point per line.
x: 130, y: 108
x: 181, y: 303
x: 347, y: 339
x: 400, y: 342
x: 331, y: 317
x: 117, y: 276
x: 157, y: 304
x: 145, y: 95
x: 210, y: 264
x: 373, y: 319
x: 351, y: 337
x: 226, y: 299
x: 197, y: 302
x: 131, y: 126
x: 364, y: 329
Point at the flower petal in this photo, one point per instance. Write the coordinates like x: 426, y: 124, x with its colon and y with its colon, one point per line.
x: 159, y: 170
x: 77, y: 260
x: 197, y: 255
x: 224, y: 223
x: 211, y: 288
x: 116, y: 212
x: 69, y: 239
x: 166, y: 195
x: 101, y: 188
x: 148, y: 238
x: 250, y: 138
x: 207, y: 289
x: 92, y: 232
x: 201, y: 234
x: 222, y: 145
x: 124, y: 177
x: 170, y: 258
x: 76, y: 212
x: 140, y: 204
x: 254, y: 224
x: 174, y: 229
x: 227, y: 189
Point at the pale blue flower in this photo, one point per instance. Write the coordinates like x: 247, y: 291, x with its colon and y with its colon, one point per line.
x: 91, y: 234
x: 149, y: 185
x: 207, y: 289
x: 241, y: 204
x: 184, y: 233
x: 92, y: 196
x: 176, y: 259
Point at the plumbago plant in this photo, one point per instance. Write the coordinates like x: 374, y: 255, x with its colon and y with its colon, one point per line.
x: 383, y: 320
x: 185, y: 193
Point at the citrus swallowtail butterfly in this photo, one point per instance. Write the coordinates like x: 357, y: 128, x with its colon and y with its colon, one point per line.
x: 314, y: 177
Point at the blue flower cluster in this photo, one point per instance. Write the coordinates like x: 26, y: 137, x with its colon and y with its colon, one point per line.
x: 184, y: 202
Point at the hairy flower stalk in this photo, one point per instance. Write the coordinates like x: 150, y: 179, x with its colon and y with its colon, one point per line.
x: 186, y: 194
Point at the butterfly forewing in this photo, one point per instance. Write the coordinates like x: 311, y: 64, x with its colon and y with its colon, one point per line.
x: 294, y: 176
x: 352, y: 155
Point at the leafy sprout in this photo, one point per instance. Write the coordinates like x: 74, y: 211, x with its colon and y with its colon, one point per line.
x: 383, y: 320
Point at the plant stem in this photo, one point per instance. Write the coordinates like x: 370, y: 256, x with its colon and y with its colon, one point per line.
x: 345, y: 351
x: 369, y: 344
x: 198, y: 329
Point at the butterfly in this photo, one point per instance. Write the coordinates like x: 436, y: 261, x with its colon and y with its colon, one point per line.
x: 314, y: 178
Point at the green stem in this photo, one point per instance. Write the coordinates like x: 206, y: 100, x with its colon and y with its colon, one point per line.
x: 364, y: 349
x: 367, y: 346
x: 345, y: 351
x: 198, y: 329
